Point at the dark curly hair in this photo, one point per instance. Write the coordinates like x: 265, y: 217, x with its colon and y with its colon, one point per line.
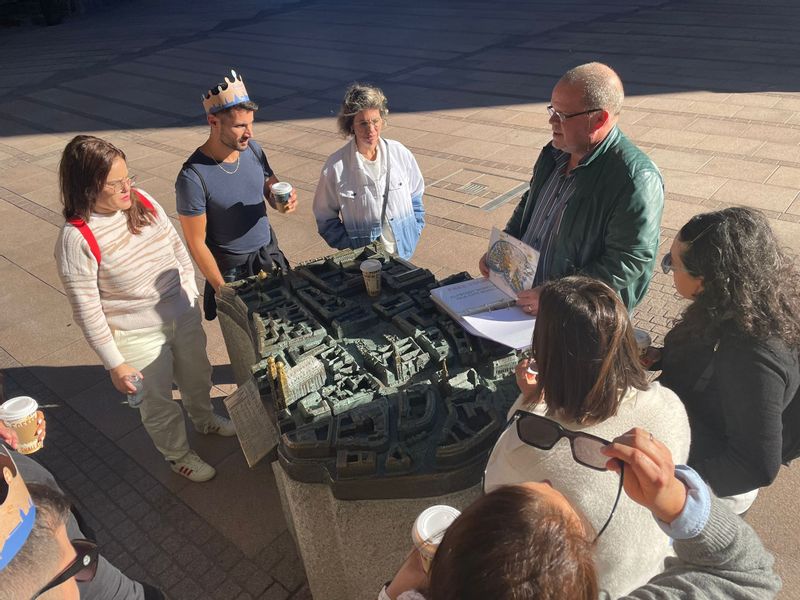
x: 750, y: 285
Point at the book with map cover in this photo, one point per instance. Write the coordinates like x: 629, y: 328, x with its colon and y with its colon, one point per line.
x: 487, y: 306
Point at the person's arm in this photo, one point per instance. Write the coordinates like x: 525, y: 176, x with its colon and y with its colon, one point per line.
x: 326, y: 210
x: 751, y: 381
x: 178, y: 248
x: 719, y: 556
x: 190, y: 200
x: 631, y: 234
x: 417, y: 183
x: 78, y: 270
x: 410, y: 580
x: 194, y: 230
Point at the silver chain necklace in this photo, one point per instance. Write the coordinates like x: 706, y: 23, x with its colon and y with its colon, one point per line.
x: 219, y: 164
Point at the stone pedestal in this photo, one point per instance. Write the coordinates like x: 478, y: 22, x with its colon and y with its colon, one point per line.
x: 350, y: 548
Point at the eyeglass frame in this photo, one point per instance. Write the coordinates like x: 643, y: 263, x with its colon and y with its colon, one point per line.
x: 563, y: 432
x: 119, y: 185
x: 86, y: 559
x: 564, y: 116
x: 666, y: 261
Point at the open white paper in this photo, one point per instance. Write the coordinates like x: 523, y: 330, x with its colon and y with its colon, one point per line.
x: 511, y: 326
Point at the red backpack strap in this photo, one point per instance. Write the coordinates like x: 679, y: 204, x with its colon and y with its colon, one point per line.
x: 145, y: 202
x: 87, y: 234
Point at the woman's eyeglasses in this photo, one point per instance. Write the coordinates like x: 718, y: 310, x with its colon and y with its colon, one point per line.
x: 83, y: 567
x: 120, y: 185
x: 543, y: 433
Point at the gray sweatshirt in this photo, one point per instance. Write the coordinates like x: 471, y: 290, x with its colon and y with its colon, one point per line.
x: 725, y: 560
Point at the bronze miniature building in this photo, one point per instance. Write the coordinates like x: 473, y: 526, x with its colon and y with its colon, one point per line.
x: 378, y: 397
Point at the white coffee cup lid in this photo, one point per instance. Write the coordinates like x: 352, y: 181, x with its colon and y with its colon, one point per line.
x: 370, y: 265
x: 18, y: 408
x: 281, y: 187
x: 642, y: 337
x: 434, y: 521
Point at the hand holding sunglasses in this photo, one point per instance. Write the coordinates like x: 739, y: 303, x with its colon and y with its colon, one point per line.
x: 651, y: 479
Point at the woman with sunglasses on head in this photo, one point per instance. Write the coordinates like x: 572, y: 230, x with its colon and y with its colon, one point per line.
x: 131, y: 285
x: 732, y: 357
x: 529, y: 542
x: 589, y: 381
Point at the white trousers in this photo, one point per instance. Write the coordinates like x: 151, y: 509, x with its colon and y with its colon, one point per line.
x: 175, y: 350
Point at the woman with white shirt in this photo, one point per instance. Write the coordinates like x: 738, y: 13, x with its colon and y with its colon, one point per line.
x: 590, y: 380
x: 131, y: 285
x: 371, y: 188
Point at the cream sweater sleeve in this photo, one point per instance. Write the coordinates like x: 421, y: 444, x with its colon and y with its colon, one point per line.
x: 178, y: 247
x: 77, y: 268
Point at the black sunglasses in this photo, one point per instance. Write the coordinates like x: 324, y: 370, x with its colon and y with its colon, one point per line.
x: 543, y: 433
x: 83, y: 567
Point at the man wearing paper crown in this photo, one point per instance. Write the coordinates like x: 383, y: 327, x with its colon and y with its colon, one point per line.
x: 37, y: 558
x: 221, y: 192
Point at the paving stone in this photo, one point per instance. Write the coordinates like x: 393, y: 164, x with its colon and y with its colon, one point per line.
x: 187, y: 589
x: 275, y: 592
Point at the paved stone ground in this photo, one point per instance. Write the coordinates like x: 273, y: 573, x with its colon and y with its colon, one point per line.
x: 712, y: 95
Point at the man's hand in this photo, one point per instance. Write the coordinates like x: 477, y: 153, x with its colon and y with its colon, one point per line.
x: 119, y: 377
x: 9, y: 436
x: 650, y: 474
x: 483, y: 267
x: 528, y: 300
x: 286, y: 207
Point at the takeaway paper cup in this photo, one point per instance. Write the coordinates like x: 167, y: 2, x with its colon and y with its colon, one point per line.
x: 643, y: 340
x: 429, y: 529
x: 281, y: 191
x: 371, y: 270
x: 20, y: 415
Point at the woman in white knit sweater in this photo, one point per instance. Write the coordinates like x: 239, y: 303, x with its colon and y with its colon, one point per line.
x: 590, y: 379
x: 131, y: 285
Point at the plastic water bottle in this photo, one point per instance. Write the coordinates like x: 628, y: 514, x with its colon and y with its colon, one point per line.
x: 135, y: 398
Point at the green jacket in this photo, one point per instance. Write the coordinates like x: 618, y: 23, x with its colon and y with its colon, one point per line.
x: 611, y: 224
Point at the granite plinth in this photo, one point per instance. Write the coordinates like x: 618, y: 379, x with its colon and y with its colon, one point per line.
x: 350, y: 548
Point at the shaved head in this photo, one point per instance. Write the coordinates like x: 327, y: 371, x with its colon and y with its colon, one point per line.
x: 600, y: 84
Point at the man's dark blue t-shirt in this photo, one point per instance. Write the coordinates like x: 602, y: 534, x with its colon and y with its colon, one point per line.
x: 236, y: 216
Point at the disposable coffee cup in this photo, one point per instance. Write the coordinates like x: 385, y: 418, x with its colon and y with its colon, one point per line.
x: 371, y: 270
x: 281, y: 191
x: 19, y: 414
x: 429, y: 528
x: 643, y: 340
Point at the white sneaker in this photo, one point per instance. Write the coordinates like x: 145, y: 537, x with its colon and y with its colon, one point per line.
x: 193, y: 467
x: 218, y: 425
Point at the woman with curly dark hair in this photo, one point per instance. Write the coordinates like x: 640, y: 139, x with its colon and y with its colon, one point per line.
x: 732, y: 357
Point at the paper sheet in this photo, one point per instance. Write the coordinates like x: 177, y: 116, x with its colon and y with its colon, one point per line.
x: 511, y: 327
x: 254, y: 428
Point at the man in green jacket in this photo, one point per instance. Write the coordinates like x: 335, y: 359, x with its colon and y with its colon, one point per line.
x: 595, y: 200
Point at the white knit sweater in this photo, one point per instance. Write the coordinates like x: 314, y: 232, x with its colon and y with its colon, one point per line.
x: 633, y: 547
x: 143, y: 280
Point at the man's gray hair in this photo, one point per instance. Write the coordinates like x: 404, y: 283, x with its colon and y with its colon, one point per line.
x: 37, y: 561
x: 602, y: 87
x: 358, y: 97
